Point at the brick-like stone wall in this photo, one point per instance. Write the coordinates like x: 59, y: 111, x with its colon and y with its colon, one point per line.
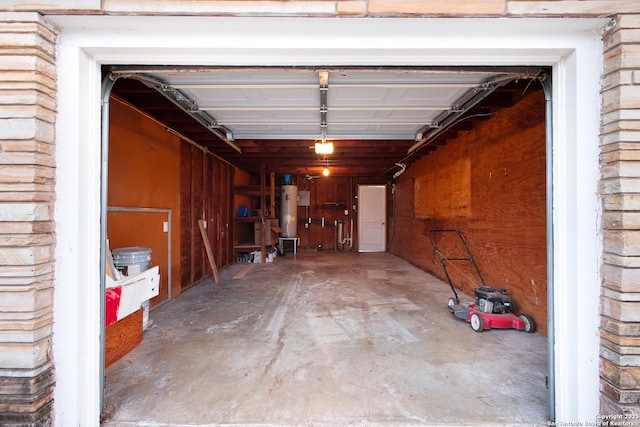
x: 620, y: 185
x: 27, y: 237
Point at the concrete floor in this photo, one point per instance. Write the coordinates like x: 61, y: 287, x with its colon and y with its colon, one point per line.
x: 326, y: 339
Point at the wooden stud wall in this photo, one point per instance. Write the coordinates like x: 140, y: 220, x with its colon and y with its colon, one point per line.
x: 205, y: 194
x: 195, y: 199
x: 328, y: 197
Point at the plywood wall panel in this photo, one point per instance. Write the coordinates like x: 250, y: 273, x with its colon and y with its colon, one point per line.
x: 144, y: 229
x: 144, y: 172
x: 444, y: 192
x: 152, y: 168
x: 504, y: 220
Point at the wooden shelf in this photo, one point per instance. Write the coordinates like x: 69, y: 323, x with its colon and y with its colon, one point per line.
x: 263, y: 196
x: 246, y: 247
x: 247, y: 219
x: 250, y: 190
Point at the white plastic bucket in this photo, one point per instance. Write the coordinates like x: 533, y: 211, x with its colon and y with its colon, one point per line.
x: 132, y: 260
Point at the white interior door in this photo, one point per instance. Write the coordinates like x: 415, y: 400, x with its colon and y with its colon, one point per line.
x: 372, y: 218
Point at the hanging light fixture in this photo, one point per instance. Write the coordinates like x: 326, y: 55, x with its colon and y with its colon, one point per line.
x: 324, y: 147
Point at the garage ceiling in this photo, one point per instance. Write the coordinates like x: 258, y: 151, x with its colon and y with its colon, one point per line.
x: 377, y: 118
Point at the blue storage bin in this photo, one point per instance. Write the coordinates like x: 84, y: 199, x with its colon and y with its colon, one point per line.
x: 243, y: 211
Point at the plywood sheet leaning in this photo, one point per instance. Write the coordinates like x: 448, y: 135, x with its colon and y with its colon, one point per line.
x: 207, y: 246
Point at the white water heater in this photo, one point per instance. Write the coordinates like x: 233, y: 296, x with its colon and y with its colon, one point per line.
x: 289, y: 211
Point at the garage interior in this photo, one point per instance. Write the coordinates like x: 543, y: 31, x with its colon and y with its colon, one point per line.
x: 460, y: 149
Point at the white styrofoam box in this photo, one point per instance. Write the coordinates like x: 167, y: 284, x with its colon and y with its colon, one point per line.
x: 136, y: 289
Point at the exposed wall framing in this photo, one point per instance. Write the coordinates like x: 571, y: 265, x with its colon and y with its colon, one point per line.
x: 205, y: 194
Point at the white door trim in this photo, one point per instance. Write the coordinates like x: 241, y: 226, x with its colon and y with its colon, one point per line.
x: 572, y: 46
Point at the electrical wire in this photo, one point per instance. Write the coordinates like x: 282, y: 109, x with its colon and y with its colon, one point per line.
x: 404, y: 159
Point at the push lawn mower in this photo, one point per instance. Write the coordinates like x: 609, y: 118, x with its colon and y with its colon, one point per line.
x: 493, y: 308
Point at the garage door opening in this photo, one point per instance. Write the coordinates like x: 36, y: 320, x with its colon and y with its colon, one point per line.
x: 572, y: 50
x: 482, y: 168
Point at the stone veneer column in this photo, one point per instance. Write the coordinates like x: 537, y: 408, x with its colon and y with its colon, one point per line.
x: 27, y: 238
x: 620, y: 163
